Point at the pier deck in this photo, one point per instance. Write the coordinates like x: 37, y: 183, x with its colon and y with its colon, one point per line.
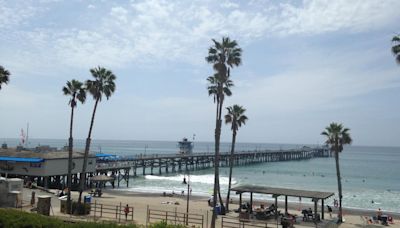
x: 166, y: 163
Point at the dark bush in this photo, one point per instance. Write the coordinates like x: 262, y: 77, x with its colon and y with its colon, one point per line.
x: 10, y: 218
x: 164, y: 224
x: 80, y: 208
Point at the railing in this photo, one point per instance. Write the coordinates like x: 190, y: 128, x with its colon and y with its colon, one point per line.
x: 115, y: 212
x: 130, y: 161
x: 174, y: 217
x: 175, y: 155
x: 240, y: 223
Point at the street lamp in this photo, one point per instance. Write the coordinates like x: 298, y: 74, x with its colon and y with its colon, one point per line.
x: 187, y: 199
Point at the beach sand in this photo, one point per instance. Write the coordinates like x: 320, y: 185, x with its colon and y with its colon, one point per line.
x: 198, y: 205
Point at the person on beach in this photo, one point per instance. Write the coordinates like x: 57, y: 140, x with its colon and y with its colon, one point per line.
x: 379, y: 214
x: 329, y: 210
x: 184, y: 181
x: 126, y: 210
x: 335, y: 203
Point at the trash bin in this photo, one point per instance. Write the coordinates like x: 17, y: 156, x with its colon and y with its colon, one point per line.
x: 43, y: 205
x: 87, y: 199
x: 218, y: 209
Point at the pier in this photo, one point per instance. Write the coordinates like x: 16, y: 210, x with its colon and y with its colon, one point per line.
x: 49, y: 169
x: 127, y: 167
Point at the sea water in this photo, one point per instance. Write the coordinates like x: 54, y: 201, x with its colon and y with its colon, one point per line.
x: 370, y: 175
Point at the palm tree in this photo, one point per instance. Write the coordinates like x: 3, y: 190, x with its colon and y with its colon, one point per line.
x: 337, y: 136
x: 4, y: 76
x: 396, y: 48
x: 236, y: 118
x: 102, y: 85
x: 76, y: 91
x: 224, y: 56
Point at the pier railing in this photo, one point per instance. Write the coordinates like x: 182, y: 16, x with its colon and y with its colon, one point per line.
x: 122, y: 168
x: 240, y: 158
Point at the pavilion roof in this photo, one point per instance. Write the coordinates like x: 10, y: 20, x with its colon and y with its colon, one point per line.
x: 282, y: 191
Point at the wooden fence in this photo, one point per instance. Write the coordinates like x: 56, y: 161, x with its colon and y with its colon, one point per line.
x: 228, y: 222
x: 115, y: 212
x: 175, y: 218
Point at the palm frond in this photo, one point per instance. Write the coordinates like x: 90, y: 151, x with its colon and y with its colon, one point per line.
x: 396, y: 38
x: 103, y: 83
x: 4, y: 76
x: 236, y: 117
x: 337, y: 136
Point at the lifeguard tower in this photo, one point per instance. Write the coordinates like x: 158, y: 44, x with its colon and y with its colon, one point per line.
x: 185, y: 146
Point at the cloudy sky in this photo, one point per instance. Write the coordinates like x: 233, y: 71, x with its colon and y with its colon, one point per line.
x: 305, y: 64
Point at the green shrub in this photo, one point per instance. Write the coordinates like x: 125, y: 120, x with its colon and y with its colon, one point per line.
x: 80, y: 208
x: 10, y: 218
x: 164, y: 224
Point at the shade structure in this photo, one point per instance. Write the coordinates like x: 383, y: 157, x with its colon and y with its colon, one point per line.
x: 101, y: 178
x: 276, y: 192
x: 282, y: 191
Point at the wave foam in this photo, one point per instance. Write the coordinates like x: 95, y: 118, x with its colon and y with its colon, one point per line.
x: 205, y: 179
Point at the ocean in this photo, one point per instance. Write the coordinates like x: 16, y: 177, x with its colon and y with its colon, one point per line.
x: 370, y: 175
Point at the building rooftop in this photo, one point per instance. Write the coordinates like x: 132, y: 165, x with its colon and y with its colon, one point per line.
x: 12, y: 153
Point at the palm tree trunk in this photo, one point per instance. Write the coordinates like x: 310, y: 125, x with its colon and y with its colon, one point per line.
x: 217, y: 190
x: 70, y: 146
x: 231, y: 168
x: 219, y: 141
x: 86, y: 156
x: 216, y: 170
x: 340, y: 216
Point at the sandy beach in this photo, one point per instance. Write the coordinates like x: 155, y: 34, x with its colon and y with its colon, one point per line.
x: 198, y: 205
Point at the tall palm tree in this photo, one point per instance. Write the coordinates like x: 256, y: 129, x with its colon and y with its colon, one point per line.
x: 4, y: 76
x: 336, y: 137
x: 102, y: 85
x: 213, y: 87
x: 396, y: 47
x: 236, y: 118
x: 223, y: 56
x: 75, y: 90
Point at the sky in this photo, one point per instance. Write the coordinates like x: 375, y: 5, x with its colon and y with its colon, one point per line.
x: 305, y: 64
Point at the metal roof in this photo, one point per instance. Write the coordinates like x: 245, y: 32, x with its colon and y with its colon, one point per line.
x: 15, y: 159
x: 12, y: 152
x: 100, y: 155
x: 282, y: 191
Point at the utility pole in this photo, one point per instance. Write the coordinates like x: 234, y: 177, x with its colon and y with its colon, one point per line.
x: 187, y: 200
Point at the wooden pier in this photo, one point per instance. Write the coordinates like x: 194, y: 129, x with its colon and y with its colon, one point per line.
x: 50, y: 175
x: 158, y: 164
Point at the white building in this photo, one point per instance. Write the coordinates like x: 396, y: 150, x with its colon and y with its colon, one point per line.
x: 42, y: 165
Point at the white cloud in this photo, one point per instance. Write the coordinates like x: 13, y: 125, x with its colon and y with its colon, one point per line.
x: 156, y: 30
x: 319, y: 16
x: 18, y: 14
x: 313, y: 89
x: 120, y: 14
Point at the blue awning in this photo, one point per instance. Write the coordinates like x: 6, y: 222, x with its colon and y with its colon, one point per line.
x: 15, y: 159
x: 104, y: 155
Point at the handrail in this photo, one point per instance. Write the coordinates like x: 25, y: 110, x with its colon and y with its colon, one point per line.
x: 130, y: 161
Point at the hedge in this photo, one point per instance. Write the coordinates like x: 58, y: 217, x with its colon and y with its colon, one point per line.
x: 11, y: 218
